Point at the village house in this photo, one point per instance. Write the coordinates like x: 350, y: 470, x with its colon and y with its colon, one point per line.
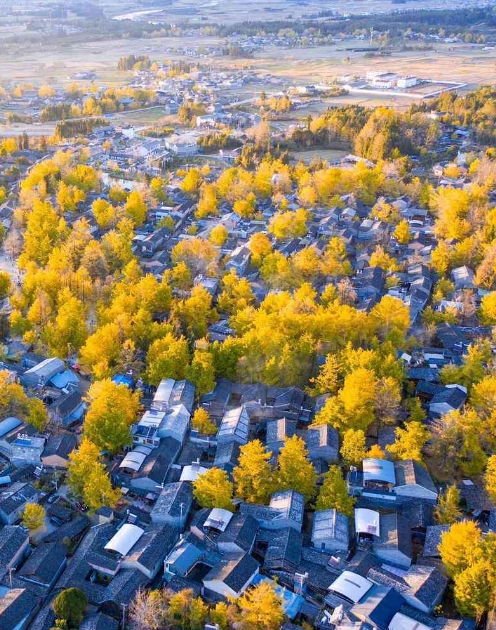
x: 285, y: 509
x: 330, y: 531
x: 17, y: 608
x: 44, y: 566
x: 231, y: 576
x: 14, y: 544
x: 57, y: 450
x: 13, y: 501
x: 173, y: 505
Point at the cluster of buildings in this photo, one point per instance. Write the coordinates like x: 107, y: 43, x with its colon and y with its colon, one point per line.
x: 388, y: 80
x: 377, y: 567
x: 397, y: 85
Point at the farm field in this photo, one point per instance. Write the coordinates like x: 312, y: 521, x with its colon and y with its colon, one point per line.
x: 17, y: 129
x: 459, y: 63
x: 228, y: 11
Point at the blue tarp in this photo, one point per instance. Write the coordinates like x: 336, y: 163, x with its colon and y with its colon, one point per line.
x: 123, y: 379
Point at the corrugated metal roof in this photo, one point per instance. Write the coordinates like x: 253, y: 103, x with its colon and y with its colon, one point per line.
x: 8, y: 425
x: 125, y: 539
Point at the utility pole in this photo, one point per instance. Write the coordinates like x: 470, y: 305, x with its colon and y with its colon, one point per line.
x: 124, y: 606
x: 181, y: 507
x: 301, y: 579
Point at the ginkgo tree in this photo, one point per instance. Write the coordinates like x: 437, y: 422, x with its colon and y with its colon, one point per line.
x: 112, y: 408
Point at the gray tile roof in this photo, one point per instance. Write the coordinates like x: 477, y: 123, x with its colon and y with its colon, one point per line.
x: 17, y: 495
x: 241, y: 530
x: 289, y: 503
x: 183, y: 393
x: 226, y: 453
x: 292, y: 396
x: 186, y: 552
x: 249, y: 392
x: 283, y: 550
x: 475, y: 497
x: 235, y: 426
x: 323, y: 435
x: 44, y: 620
x: 394, y: 535
x: 12, y: 539
x: 386, y: 436
x: 453, y: 396
x: 492, y: 520
x: 437, y: 623
x: 66, y: 404
x: 178, y: 583
x: 99, y: 621
x: 433, y: 539
x: 175, y: 422
x: 69, y: 531
x: 60, y: 445
x: 220, y: 393
x: 44, y: 564
x: 100, y: 559
x: 418, y: 512
x: 154, y: 545
x: 362, y: 562
x: 430, y: 375
x: 330, y: 525
x: 278, y: 430
x: 60, y: 511
x: 234, y: 572
x: 158, y: 462
x: 170, y: 498
x: 425, y: 583
x: 319, y: 577
x: 15, y: 606
x: 123, y: 586
x: 379, y: 606
x: 411, y: 472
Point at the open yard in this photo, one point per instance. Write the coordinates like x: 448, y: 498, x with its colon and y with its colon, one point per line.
x: 331, y: 155
x: 148, y: 116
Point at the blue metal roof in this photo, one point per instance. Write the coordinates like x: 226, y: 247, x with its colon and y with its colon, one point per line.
x: 8, y: 425
x: 62, y: 379
x: 76, y: 415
